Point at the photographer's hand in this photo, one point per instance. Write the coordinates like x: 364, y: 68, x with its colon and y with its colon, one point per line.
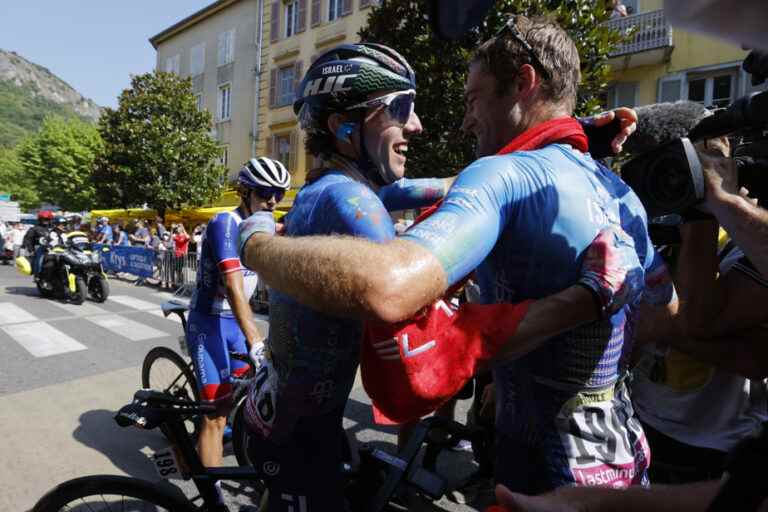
x: 720, y: 179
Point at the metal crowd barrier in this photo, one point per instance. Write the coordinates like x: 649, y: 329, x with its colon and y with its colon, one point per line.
x: 175, y: 272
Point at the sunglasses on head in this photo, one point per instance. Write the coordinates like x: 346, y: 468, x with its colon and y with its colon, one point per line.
x: 510, y: 29
x: 267, y: 193
x: 398, y: 105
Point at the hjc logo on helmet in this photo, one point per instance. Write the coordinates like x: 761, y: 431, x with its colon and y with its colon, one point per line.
x: 332, y: 84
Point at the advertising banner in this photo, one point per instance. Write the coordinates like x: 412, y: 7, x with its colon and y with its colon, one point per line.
x: 138, y: 261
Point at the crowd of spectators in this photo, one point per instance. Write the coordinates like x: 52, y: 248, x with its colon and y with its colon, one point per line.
x: 176, y: 249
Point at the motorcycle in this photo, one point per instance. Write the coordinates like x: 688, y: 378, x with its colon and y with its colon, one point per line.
x: 73, y: 271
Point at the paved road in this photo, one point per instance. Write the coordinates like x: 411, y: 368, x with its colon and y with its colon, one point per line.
x: 65, y: 370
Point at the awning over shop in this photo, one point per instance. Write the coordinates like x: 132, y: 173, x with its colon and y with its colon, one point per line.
x: 228, y: 201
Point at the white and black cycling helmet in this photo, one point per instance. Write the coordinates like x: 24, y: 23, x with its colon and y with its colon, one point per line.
x: 264, y: 172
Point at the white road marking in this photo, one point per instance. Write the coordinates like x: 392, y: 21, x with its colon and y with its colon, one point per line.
x: 133, y: 302
x: 173, y: 316
x: 84, y: 309
x: 42, y: 340
x: 13, y: 314
x: 126, y: 328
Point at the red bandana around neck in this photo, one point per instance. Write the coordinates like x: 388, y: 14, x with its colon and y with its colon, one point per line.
x: 563, y: 130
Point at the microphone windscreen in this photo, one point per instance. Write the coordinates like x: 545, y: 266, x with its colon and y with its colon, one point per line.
x: 660, y: 123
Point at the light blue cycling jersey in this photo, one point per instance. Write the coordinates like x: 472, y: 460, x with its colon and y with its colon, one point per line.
x: 316, y: 355
x: 524, y: 220
x: 219, y: 257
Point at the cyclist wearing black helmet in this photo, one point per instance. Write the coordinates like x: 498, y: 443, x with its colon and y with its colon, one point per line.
x: 356, y: 105
x: 220, y: 318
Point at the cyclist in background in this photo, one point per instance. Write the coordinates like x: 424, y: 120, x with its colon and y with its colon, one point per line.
x: 220, y: 318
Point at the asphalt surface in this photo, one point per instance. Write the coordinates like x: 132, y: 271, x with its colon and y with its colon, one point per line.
x: 65, y: 370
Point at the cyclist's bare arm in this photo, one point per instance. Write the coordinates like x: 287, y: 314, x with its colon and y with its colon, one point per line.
x: 549, y: 317
x: 240, y: 307
x: 347, y: 276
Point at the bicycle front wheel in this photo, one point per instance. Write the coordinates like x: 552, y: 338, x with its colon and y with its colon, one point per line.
x: 165, y: 370
x: 102, y: 493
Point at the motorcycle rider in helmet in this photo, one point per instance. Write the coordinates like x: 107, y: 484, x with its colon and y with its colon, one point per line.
x: 57, y: 236
x: 34, y: 238
x: 220, y: 318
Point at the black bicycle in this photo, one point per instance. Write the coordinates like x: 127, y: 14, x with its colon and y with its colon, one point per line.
x: 165, y: 370
x: 373, y: 478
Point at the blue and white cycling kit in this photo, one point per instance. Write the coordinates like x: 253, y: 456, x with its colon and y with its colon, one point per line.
x: 298, y: 397
x: 524, y: 220
x: 212, y: 328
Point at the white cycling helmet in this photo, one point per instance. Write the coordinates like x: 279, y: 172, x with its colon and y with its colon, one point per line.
x: 264, y: 172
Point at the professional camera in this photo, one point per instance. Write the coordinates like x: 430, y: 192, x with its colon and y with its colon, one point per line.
x: 669, y: 180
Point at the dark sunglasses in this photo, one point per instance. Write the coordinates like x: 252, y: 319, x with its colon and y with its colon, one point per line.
x: 510, y: 29
x: 398, y: 105
x: 267, y: 193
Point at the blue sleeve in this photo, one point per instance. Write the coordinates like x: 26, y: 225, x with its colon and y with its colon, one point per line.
x: 464, y: 230
x: 405, y: 194
x: 353, y: 209
x: 221, y: 236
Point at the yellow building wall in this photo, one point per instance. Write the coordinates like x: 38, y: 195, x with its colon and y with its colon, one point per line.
x: 304, y: 46
x: 691, y: 51
x: 242, y: 15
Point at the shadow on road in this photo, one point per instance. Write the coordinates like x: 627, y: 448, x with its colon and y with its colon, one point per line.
x: 124, y: 447
x: 29, y: 291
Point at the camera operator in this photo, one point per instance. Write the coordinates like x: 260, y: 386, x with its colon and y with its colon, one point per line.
x: 740, y: 216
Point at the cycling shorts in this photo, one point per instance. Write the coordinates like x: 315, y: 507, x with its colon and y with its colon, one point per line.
x: 210, y: 338
x: 304, y: 472
x: 595, y: 440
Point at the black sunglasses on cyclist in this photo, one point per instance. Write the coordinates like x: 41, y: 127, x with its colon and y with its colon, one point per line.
x: 398, y: 105
x: 510, y: 29
x: 267, y: 193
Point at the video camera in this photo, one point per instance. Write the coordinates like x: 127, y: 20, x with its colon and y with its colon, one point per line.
x: 670, y: 180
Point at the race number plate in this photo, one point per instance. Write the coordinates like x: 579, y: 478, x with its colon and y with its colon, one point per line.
x: 166, y: 464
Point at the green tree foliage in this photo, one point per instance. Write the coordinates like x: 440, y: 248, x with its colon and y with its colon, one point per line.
x: 157, y: 148
x: 60, y: 158
x: 15, y: 180
x: 441, y: 68
x: 22, y: 112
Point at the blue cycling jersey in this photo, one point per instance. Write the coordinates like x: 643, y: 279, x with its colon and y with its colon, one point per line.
x: 524, y: 220
x: 219, y: 257
x: 316, y: 355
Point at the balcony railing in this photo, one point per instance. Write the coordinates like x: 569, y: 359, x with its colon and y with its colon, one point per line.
x: 650, y: 30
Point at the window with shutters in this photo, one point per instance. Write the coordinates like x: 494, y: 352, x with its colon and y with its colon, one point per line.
x: 285, y: 83
x: 291, y: 10
x: 282, y: 149
x: 274, y: 23
x: 224, y: 110
x: 316, y: 12
x: 226, y: 47
x: 334, y: 9
x: 621, y: 95
x: 714, y: 89
x: 197, y: 59
x: 173, y: 64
